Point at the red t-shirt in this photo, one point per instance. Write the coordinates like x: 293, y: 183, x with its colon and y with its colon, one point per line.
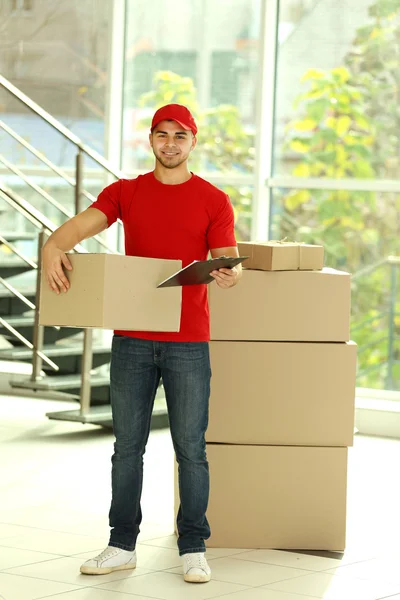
x: 180, y: 222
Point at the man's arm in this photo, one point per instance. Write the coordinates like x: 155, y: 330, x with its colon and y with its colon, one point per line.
x: 88, y: 223
x: 226, y: 278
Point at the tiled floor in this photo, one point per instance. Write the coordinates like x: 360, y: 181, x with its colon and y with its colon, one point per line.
x: 54, y: 501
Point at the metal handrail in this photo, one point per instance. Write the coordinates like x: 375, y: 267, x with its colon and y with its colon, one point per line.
x: 16, y: 201
x: 30, y: 212
x: 16, y: 293
x: 60, y: 172
x: 370, y: 268
x: 393, y: 262
x: 39, y: 221
x: 40, y: 112
x: 40, y: 156
x: 18, y: 208
x: 49, y: 198
x: 15, y: 251
x: 27, y: 343
x: 35, y: 187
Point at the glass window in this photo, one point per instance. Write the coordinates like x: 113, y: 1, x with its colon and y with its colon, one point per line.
x: 337, y: 117
x: 59, y: 58
x: 345, y: 223
x: 206, y: 59
x: 57, y: 53
x: 336, y: 96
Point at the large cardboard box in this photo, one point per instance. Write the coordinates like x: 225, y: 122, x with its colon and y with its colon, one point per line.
x: 280, y: 497
x: 282, y: 393
x: 112, y: 291
x: 281, y: 256
x: 304, y: 306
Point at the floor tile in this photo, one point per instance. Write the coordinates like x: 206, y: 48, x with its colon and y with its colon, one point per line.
x: 51, y: 523
x: 167, y: 541
x: 15, y: 557
x: 7, y: 530
x: 289, y: 559
x: 336, y: 587
x: 170, y: 541
x: 66, y: 570
x: 384, y: 569
x: 223, y: 552
x: 51, y: 519
x: 151, y: 531
x: 53, y: 542
x: 168, y: 586
x: 14, y: 587
x: 264, y: 594
x: 158, y: 559
x: 96, y: 594
x: 248, y: 573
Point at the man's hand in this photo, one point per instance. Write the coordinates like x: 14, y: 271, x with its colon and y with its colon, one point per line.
x: 226, y: 278
x: 53, y: 261
x: 88, y: 223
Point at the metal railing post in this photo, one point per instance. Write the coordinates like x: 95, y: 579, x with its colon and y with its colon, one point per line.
x: 38, y: 330
x: 78, y: 181
x: 87, y: 354
x: 392, y: 314
x: 87, y: 359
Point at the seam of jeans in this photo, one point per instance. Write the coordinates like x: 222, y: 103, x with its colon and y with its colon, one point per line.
x: 121, y: 546
x: 191, y: 550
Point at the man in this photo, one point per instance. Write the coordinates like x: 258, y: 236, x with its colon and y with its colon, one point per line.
x: 173, y: 214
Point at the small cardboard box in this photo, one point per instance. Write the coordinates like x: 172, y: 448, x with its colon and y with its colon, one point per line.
x: 297, y: 306
x: 281, y: 256
x: 282, y: 497
x: 111, y: 291
x: 283, y: 393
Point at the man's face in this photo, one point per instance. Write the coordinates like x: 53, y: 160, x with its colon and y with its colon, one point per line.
x: 171, y: 143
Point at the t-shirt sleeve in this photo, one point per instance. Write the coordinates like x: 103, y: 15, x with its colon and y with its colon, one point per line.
x: 109, y: 202
x: 221, y: 231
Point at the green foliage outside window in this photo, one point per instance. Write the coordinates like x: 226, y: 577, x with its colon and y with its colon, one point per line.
x: 348, y: 126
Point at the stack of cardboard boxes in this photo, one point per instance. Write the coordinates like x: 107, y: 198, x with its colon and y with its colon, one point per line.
x: 282, y: 402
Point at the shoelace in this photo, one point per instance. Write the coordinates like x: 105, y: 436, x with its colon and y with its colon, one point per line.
x: 195, y: 561
x: 107, y: 553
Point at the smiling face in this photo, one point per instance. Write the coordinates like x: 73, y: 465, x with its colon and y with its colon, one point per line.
x: 171, y: 143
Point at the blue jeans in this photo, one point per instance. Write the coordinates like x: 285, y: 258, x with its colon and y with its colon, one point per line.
x: 136, y: 368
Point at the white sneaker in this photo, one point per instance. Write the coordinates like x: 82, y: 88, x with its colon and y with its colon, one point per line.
x: 195, y: 568
x: 111, y: 559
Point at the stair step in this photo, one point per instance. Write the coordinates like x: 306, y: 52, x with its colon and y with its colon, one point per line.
x: 51, y: 350
x: 102, y: 415
x: 65, y: 382
x: 27, y: 290
x: 10, y: 304
x: 24, y: 325
x: 98, y: 415
x: 21, y: 320
x: 11, y: 259
x: 11, y: 266
x: 15, y: 236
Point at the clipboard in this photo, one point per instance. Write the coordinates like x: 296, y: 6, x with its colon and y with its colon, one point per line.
x: 198, y: 272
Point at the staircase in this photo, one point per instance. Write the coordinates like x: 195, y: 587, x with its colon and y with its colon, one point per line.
x: 68, y: 363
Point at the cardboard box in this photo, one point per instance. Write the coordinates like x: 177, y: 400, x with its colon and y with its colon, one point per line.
x: 281, y: 497
x: 281, y: 256
x: 282, y: 393
x: 304, y: 306
x: 112, y: 291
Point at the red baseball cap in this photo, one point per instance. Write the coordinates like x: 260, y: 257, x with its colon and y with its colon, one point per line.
x: 175, y: 112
